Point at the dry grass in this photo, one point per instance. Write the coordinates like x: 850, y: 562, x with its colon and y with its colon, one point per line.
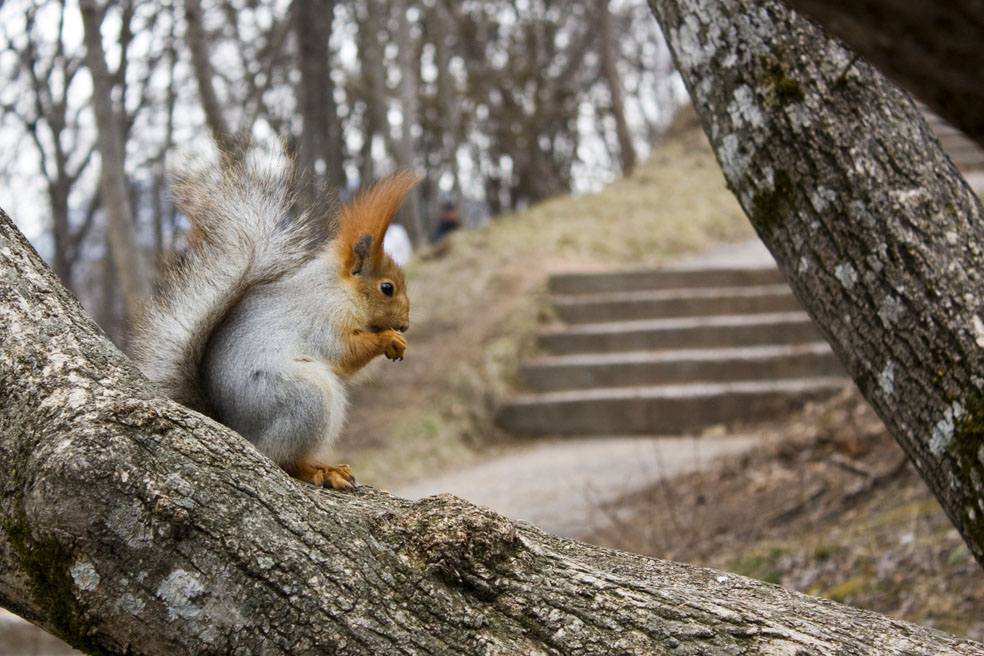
x: 476, y: 304
x: 828, y: 506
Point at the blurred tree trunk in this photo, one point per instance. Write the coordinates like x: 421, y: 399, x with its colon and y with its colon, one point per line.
x: 126, y: 252
x: 372, y: 87
x: 409, y: 64
x: 321, y: 153
x: 448, y: 100
x: 609, y: 66
x: 879, y: 236
x: 378, y: 99
x: 162, y: 206
x: 934, y: 48
x: 132, y: 525
x: 197, y: 41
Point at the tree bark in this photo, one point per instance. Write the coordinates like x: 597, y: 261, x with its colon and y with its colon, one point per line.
x: 933, y: 48
x: 126, y: 252
x: 879, y: 236
x: 132, y: 525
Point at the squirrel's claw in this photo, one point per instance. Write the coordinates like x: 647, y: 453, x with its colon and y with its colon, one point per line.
x: 396, y: 346
x: 337, y: 477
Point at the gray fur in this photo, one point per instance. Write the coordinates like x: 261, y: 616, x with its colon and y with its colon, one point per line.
x: 247, y: 320
x: 263, y: 371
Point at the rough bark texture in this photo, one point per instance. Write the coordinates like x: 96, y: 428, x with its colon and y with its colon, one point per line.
x: 877, y: 232
x: 934, y: 48
x: 131, y: 525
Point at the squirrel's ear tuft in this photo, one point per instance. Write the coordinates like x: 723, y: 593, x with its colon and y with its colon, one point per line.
x: 370, y: 213
x: 361, y: 251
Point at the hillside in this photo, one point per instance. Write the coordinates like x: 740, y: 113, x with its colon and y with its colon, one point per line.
x: 474, y: 305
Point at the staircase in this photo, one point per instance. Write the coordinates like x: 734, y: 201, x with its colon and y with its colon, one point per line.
x: 670, y: 352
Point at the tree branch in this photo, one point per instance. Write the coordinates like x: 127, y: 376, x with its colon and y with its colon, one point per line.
x: 932, y: 47
x: 131, y: 524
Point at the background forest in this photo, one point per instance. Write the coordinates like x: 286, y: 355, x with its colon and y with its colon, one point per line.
x: 499, y: 104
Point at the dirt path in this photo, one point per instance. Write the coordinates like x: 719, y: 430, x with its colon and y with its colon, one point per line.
x: 562, y: 485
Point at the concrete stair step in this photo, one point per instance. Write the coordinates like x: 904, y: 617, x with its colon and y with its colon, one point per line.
x: 678, y: 333
x: 647, y: 280
x: 731, y: 364
x: 659, y: 410
x: 700, y: 301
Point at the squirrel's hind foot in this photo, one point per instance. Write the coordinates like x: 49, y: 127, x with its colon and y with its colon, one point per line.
x: 337, y: 477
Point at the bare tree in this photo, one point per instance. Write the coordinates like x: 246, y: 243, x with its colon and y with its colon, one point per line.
x: 383, y: 24
x: 880, y: 237
x: 197, y: 41
x: 321, y: 151
x: 43, y: 107
x: 609, y: 59
x: 126, y: 252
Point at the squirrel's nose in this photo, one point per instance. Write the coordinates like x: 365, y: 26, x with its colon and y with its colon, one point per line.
x: 403, y: 328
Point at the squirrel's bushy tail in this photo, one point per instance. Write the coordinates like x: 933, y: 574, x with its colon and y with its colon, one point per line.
x: 246, y: 230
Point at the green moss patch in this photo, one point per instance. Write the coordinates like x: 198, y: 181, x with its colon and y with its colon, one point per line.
x: 769, y: 205
x: 46, y: 565
x: 783, y: 90
x: 966, y: 448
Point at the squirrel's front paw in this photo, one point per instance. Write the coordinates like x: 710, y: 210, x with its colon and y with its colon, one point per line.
x: 396, y: 346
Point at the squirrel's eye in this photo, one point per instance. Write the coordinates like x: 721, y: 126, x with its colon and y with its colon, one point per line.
x: 386, y: 288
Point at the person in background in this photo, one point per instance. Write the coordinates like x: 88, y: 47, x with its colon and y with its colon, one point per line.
x: 449, y: 221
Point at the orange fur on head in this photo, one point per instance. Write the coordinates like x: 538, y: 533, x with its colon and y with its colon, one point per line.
x: 371, y: 212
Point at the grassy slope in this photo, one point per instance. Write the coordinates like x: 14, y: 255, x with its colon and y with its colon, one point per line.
x: 475, y: 306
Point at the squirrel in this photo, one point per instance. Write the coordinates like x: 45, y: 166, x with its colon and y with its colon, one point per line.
x: 271, y: 309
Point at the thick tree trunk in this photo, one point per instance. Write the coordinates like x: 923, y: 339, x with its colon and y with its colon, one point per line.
x: 935, y: 48
x: 879, y: 235
x: 126, y: 252
x: 129, y: 524
x: 133, y: 525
